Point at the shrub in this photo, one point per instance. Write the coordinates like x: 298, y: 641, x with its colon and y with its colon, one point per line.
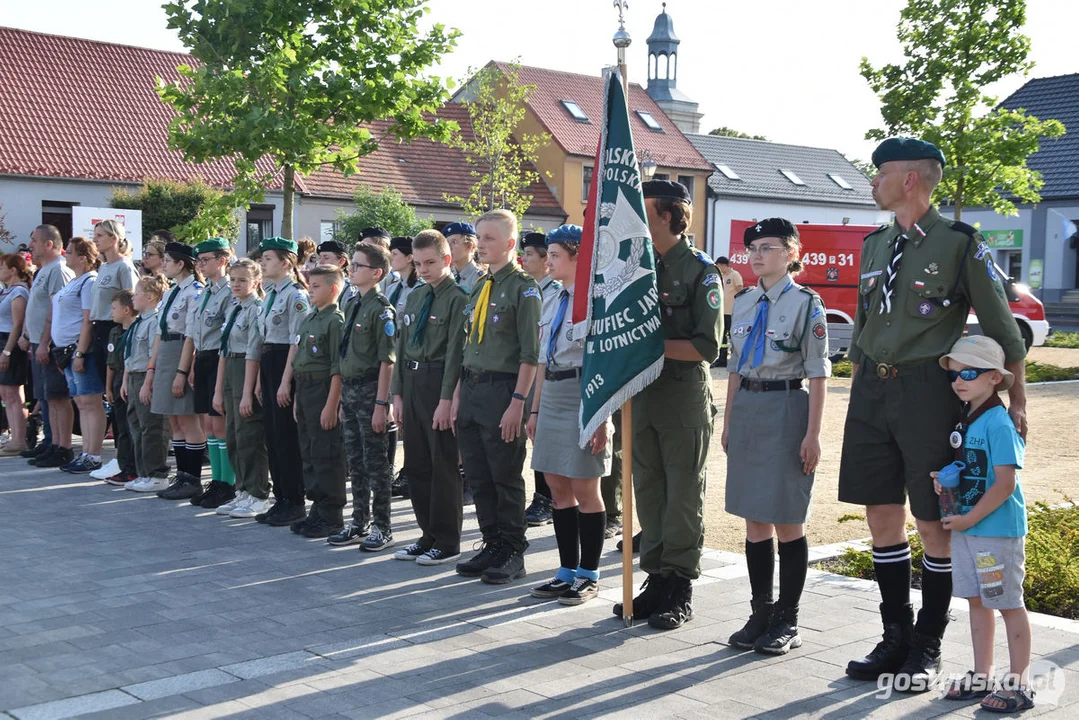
x: 841, y: 369
x: 1038, y: 372
x: 1063, y: 340
x: 378, y: 209
x: 193, y: 210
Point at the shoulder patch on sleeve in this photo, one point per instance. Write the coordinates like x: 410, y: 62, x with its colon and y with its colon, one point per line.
x: 531, y: 292
x: 964, y: 228
x: 386, y: 314
x: 711, y: 279
x: 301, y: 306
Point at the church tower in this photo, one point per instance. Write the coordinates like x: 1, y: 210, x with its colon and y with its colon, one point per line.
x: 663, y: 76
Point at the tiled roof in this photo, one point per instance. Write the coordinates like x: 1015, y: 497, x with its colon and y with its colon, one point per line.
x: 669, y: 148
x: 421, y: 170
x: 1058, y: 158
x: 758, y: 164
x: 72, y: 108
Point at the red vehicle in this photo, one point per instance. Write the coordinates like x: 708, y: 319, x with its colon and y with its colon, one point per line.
x: 832, y: 256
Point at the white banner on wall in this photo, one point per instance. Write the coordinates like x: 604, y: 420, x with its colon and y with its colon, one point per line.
x: 83, y: 220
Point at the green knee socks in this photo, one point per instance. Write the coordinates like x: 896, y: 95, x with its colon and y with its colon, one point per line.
x: 220, y: 467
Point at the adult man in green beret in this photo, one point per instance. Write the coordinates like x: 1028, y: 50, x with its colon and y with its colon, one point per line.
x: 920, y: 275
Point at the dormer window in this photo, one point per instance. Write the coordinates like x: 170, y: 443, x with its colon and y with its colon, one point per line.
x: 727, y: 172
x: 838, y: 180
x: 575, y: 111
x: 649, y: 121
x: 792, y: 177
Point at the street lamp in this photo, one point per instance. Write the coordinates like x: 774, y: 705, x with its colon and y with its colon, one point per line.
x: 648, y: 167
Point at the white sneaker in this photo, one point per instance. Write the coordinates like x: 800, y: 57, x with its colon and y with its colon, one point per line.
x: 106, y: 471
x: 252, y: 507
x: 151, y: 485
x: 130, y: 484
x: 238, y: 501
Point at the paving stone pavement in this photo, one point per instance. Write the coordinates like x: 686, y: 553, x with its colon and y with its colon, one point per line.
x: 117, y: 605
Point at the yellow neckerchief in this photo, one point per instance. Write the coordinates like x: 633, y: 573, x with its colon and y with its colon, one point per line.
x: 480, y: 317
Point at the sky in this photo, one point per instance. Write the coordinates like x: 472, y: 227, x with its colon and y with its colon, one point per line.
x: 785, y: 69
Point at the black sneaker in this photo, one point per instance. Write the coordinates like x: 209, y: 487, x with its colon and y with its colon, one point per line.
x: 756, y: 626
x: 653, y: 592
x: 298, y: 525
x: 582, y: 591
x: 121, y: 478
x: 399, y: 486
x: 782, y: 634
x: 288, y: 515
x: 411, y: 552
x: 59, y: 457
x: 217, y: 495
x: 922, y: 666
x: 81, y: 465
x: 540, y: 512
x: 636, y: 544
x: 320, y: 527
x: 677, y: 608
x: 351, y: 534
x: 196, y: 500
x: 478, y: 563
x: 275, y: 509
x: 614, y: 528
x: 506, y: 566
x: 377, y: 541
x: 184, y: 487
x: 434, y: 556
x: 33, y: 430
x: 35, y: 452
x: 554, y: 588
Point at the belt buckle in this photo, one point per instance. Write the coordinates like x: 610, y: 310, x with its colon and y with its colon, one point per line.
x: 886, y: 371
x: 756, y: 386
x: 413, y: 365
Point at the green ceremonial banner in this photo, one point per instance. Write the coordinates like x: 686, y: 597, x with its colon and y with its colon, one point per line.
x: 616, y: 306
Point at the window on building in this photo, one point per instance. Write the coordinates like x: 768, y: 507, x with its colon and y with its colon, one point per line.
x: 687, y: 180
x: 326, y: 230
x: 727, y: 172
x: 586, y: 182
x: 838, y: 180
x: 648, y: 120
x: 792, y: 177
x: 575, y: 111
x: 58, y: 213
x: 259, y: 225
x: 661, y: 176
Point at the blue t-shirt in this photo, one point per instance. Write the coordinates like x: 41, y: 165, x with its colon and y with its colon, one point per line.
x: 992, y: 441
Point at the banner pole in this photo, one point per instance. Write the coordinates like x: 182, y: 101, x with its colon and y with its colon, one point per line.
x: 627, y: 513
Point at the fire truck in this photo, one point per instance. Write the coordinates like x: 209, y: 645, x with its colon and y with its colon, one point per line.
x: 832, y: 256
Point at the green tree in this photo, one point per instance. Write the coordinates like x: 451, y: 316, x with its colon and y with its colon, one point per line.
x: 6, y: 236
x: 378, y: 209
x: 954, y: 49
x: 731, y: 132
x: 502, y: 164
x: 294, y: 81
x: 867, y: 168
x: 193, y: 210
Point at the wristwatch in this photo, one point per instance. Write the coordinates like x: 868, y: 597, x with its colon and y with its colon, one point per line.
x: 80, y: 354
x: 7, y: 352
x: 381, y: 403
x: 518, y: 396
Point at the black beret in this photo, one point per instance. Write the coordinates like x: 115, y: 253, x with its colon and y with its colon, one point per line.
x: 332, y: 246
x: 373, y: 232
x: 534, y: 239
x: 179, y: 249
x: 770, y: 228
x: 459, y: 228
x: 667, y: 189
x: 901, y: 148
x: 402, y: 244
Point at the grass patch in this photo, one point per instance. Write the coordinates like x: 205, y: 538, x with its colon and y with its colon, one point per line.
x: 1052, y: 570
x: 1063, y: 340
x: 1039, y: 372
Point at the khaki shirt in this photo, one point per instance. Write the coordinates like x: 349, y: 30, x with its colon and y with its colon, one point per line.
x: 511, y: 335
x: 795, y: 336
x: 280, y: 321
x: 443, y: 336
x: 208, y: 314
x: 945, y: 270
x: 142, y: 341
x: 691, y: 301
x: 568, y: 353
x: 179, y: 300
x: 732, y: 282
x: 319, y: 346
x: 370, y: 342
x: 244, y: 337
x: 550, y: 291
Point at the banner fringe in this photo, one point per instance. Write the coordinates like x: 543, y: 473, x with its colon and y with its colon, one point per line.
x: 638, y: 383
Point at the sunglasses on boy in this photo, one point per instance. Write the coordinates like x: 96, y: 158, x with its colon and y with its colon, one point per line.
x: 967, y: 374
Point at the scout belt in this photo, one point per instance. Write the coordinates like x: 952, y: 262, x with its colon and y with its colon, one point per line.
x: 416, y: 365
x: 770, y: 385
x: 363, y: 377
x: 235, y: 356
x: 171, y: 336
x: 486, y: 377
x: 551, y: 375
x: 887, y: 371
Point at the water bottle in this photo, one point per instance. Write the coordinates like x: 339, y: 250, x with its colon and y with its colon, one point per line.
x: 948, y: 477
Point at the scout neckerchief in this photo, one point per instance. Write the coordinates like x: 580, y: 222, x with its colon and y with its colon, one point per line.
x: 165, y: 313
x: 227, y: 330
x: 893, y: 270
x: 397, y: 292
x: 959, y: 435
x: 270, y: 300
x: 125, y: 339
x: 556, y: 326
x: 422, y: 318
x: 480, y: 311
x: 756, y: 337
x: 356, y: 301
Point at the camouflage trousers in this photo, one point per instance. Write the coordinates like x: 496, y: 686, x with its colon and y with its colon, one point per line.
x: 368, y: 466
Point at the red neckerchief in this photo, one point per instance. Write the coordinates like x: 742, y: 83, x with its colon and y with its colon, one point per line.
x: 959, y: 435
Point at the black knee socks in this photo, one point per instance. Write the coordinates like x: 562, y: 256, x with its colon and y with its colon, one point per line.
x: 793, y: 566
x: 567, y: 533
x: 592, y: 527
x: 193, y: 457
x: 891, y: 564
x: 936, y: 595
x: 760, y: 558
x: 541, y: 485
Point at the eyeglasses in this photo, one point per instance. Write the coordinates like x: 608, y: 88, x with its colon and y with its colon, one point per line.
x: 763, y: 250
x: 968, y: 374
x: 356, y: 266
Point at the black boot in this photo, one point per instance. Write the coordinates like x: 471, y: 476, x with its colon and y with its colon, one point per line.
x: 756, y: 626
x: 921, y: 667
x: 677, y: 609
x: 653, y: 593
x: 782, y: 634
x: 891, y: 652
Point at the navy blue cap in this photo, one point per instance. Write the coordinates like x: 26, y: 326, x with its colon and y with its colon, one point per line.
x: 459, y: 228
x: 565, y: 234
x: 903, y: 148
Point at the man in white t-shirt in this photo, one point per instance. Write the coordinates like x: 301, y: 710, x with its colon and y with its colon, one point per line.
x: 731, y: 280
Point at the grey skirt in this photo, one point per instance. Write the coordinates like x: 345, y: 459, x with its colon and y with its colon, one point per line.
x: 168, y: 362
x: 555, y: 448
x: 765, y: 481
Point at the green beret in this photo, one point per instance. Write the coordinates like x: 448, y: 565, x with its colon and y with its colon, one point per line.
x: 278, y: 243
x: 211, y: 245
x: 900, y: 148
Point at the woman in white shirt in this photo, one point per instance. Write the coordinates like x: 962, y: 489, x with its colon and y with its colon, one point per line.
x: 14, y: 363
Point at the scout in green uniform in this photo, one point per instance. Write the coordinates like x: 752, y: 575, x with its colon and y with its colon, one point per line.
x: 672, y: 417
x: 235, y: 396
x: 367, y: 357
x: 317, y: 370
x: 501, y: 353
x: 123, y: 317
x: 332, y: 252
x: 207, y: 317
x: 429, y: 350
x: 920, y: 277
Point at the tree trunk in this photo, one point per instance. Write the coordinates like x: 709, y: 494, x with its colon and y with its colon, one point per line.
x: 286, y: 208
x: 958, y: 200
